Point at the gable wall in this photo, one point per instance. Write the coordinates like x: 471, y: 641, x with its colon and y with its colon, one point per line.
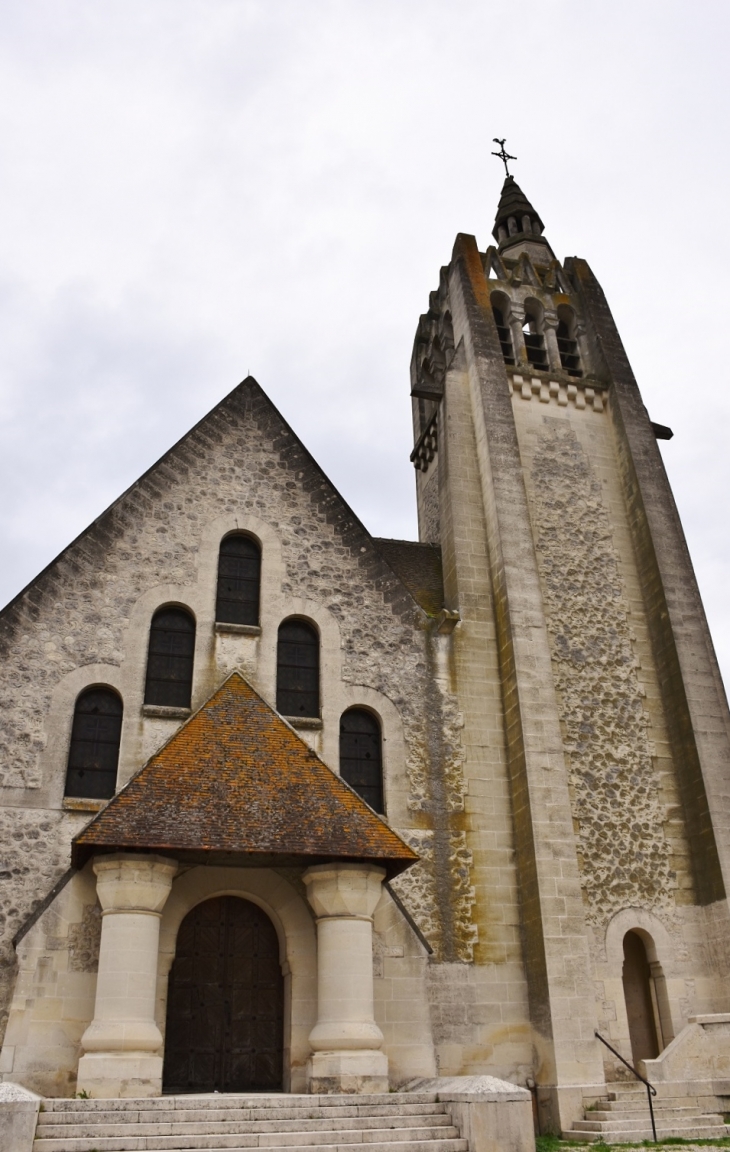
x: 86, y: 621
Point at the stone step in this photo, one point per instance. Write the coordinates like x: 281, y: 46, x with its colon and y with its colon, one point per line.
x: 636, y: 1135
x: 706, y: 1120
x: 665, y: 1113
x: 227, y: 1100
x: 661, y: 1103
x: 418, y: 1143
x: 277, y: 1123
x: 222, y: 1112
x: 106, y: 1124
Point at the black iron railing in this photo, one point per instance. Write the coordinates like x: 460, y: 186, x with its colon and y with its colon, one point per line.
x: 650, y: 1089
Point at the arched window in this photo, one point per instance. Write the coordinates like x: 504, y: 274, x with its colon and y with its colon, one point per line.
x: 567, y: 343
x: 93, y: 755
x: 361, y: 760
x: 534, y: 339
x: 170, y: 658
x: 297, y: 669
x: 239, y: 578
x: 505, y: 336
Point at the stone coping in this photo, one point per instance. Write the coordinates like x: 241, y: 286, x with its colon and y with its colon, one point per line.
x: 469, y: 1089
x: 11, y: 1093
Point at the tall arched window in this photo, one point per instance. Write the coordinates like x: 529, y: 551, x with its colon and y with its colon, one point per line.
x: 361, y: 760
x: 297, y: 669
x: 239, y: 577
x: 534, y: 339
x: 503, y: 331
x: 93, y: 754
x: 567, y: 343
x: 170, y: 658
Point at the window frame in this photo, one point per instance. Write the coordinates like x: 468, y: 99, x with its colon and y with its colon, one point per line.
x: 379, y: 786
x: 226, y: 617
x: 283, y: 691
x: 183, y: 698
x: 77, y: 740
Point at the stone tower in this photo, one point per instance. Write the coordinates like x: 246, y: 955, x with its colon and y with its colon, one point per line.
x: 595, y: 721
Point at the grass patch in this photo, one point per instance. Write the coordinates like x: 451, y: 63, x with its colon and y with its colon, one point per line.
x: 554, y: 1143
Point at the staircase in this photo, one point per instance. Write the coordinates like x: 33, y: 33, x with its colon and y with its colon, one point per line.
x: 392, y: 1123
x: 623, y: 1115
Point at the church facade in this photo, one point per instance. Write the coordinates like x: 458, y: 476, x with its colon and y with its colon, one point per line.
x: 286, y: 807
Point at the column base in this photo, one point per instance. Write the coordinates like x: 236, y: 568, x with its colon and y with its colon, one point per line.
x: 112, y: 1076
x: 362, y: 1071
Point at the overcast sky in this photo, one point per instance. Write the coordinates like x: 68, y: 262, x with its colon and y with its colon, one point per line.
x: 195, y: 189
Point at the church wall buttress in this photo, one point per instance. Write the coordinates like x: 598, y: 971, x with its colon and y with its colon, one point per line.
x: 562, y: 1009
x: 479, y: 1013
x: 694, y: 701
x: 605, y: 716
x: 625, y: 794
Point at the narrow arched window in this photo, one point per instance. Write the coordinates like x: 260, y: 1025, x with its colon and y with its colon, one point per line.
x: 361, y: 759
x: 170, y: 658
x: 239, y: 578
x: 93, y: 754
x: 567, y: 343
x: 505, y: 336
x: 297, y: 669
x: 534, y: 341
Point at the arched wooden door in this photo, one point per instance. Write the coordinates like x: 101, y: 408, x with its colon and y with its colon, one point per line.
x: 225, y: 1002
x: 639, y: 1003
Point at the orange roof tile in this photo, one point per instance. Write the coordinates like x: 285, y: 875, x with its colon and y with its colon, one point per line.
x: 236, y: 779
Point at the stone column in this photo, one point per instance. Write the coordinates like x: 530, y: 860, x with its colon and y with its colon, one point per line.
x: 550, y: 333
x: 122, y: 1044
x: 516, y: 320
x: 346, y: 1041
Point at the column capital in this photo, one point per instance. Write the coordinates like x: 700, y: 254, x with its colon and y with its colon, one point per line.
x: 129, y: 883
x: 344, y: 890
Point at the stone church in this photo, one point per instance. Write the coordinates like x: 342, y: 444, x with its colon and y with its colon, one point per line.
x: 289, y: 808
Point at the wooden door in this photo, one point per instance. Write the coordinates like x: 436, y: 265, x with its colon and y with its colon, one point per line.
x: 225, y: 1002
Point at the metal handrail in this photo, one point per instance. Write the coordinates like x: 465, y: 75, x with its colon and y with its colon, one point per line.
x: 650, y: 1089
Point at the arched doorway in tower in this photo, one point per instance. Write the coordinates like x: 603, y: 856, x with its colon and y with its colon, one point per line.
x: 225, y: 1002
x: 640, y: 1006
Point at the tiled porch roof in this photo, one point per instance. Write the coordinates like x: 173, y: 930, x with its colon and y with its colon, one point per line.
x: 237, y: 779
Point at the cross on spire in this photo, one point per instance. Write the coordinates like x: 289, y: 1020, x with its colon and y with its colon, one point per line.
x: 503, y: 156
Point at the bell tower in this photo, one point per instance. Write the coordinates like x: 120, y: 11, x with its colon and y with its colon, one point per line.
x: 596, y: 727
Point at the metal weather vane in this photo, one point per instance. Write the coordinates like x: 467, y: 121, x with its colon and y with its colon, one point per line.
x: 502, y: 155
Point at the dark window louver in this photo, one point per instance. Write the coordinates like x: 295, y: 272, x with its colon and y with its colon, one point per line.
x: 536, y: 354
x: 361, y: 761
x: 93, y: 755
x: 568, y: 349
x: 170, y: 659
x: 297, y: 669
x: 504, y: 334
x: 239, y: 579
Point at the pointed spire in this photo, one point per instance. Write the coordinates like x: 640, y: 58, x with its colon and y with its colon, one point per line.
x: 515, y: 214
